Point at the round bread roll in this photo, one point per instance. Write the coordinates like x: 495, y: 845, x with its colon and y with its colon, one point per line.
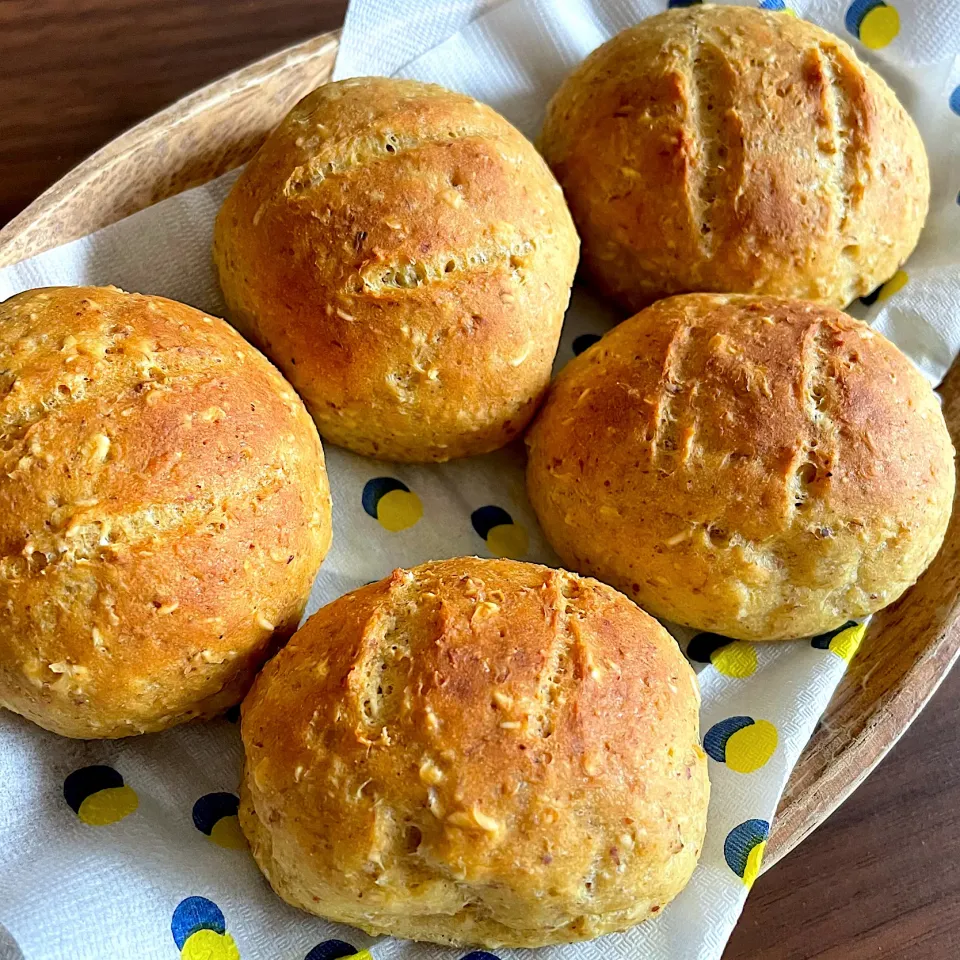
x: 163, y: 511
x: 477, y: 752
x: 734, y: 149
x: 756, y: 467
x: 405, y: 256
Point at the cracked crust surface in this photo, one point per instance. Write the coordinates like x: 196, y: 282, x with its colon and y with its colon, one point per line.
x: 758, y: 467
x: 163, y: 511
x: 477, y: 752
x: 405, y: 256
x: 728, y: 149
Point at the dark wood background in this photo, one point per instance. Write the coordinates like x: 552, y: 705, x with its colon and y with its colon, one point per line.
x: 881, y: 879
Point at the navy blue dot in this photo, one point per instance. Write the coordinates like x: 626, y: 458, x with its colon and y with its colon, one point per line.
x: 740, y: 841
x: 955, y: 101
x: 479, y: 955
x: 704, y: 645
x: 772, y: 5
x: 822, y: 642
x: 715, y: 740
x: 683, y: 3
x: 374, y: 489
x: 86, y: 781
x: 486, y: 518
x: 584, y: 342
x: 331, y: 950
x: 213, y: 807
x: 857, y: 11
x: 193, y: 914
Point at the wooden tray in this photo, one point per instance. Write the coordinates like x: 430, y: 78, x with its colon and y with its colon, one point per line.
x: 909, y: 647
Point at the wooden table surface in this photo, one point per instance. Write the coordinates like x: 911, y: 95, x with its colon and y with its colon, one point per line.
x: 881, y: 879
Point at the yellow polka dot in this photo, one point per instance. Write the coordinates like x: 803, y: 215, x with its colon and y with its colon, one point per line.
x: 750, y: 748
x: 209, y: 945
x: 226, y: 832
x: 398, y: 510
x: 897, y: 282
x: 508, y: 540
x: 108, y: 806
x: 846, y: 643
x: 754, y: 859
x: 879, y: 27
x: 737, y: 659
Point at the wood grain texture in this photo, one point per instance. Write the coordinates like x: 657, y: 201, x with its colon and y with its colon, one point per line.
x: 879, y: 880
x: 73, y: 75
x: 193, y: 141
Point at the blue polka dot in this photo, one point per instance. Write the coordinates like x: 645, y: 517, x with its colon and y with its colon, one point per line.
x: 772, y: 5
x: 955, y: 101
x: 875, y: 23
x: 715, y: 739
x: 742, y: 743
x: 374, y: 490
x: 822, y: 642
x: 87, y: 781
x: 331, y: 950
x: 486, y: 518
x: 391, y: 503
x: 683, y: 3
x: 704, y: 644
x: 503, y: 537
x: 213, y: 807
x: 857, y: 11
x: 193, y: 914
x: 740, y: 842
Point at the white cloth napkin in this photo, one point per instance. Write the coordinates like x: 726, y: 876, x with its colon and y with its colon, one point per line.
x: 150, y: 869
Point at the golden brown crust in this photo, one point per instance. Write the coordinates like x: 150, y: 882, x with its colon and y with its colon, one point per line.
x: 405, y: 257
x: 477, y: 751
x: 163, y: 511
x: 757, y: 467
x: 741, y: 150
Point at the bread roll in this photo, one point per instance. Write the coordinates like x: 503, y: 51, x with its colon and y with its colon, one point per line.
x: 163, y: 511
x: 755, y: 467
x: 405, y: 257
x: 734, y: 149
x: 477, y: 752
